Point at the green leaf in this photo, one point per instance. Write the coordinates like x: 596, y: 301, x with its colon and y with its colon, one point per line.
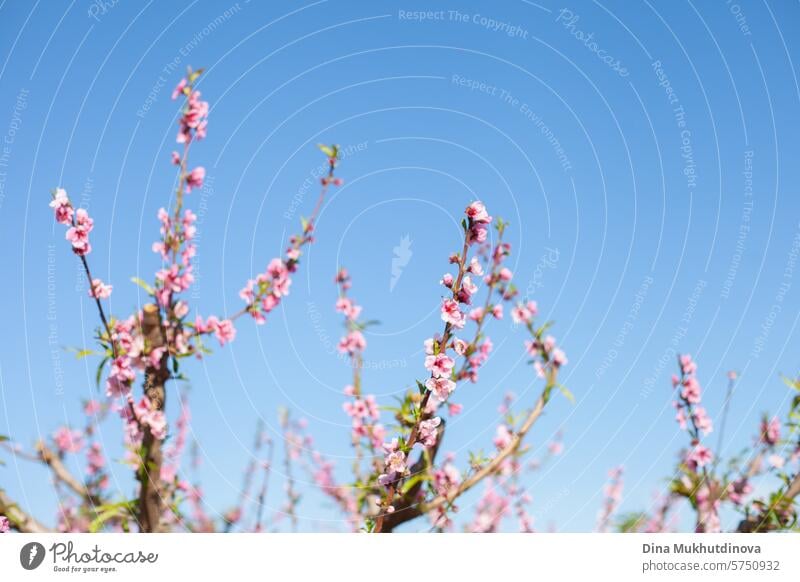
x: 99, y: 373
x: 80, y: 354
x: 412, y: 481
x: 326, y: 150
x: 567, y: 394
x: 143, y: 285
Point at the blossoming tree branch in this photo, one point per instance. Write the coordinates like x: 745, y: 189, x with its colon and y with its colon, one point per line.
x: 400, y: 471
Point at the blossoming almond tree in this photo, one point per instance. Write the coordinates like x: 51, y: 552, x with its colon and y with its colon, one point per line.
x: 708, y: 485
x: 399, y: 470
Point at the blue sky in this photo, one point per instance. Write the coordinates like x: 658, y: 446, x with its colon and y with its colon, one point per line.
x: 633, y: 222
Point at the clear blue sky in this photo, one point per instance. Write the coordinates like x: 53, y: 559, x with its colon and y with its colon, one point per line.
x: 589, y: 162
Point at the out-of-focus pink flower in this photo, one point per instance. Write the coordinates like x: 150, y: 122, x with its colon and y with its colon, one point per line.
x: 194, y: 179
x: 502, y: 437
x: 100, y: 290
x: 352, y: 343
x: 699, y: 456
x: 179, y: 88
x: 770, y: 431
x: 701, y: 420
x: 67, y: 440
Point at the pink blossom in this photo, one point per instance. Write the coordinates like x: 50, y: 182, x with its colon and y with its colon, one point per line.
x: 440, y: 365
x: 476, y: 212
x: 454, y: 409
x: 428, y: 431
x: 95, y: 458
x: 497, y: 311
x: 352, y: 343
x: 225, y: 332
x: 502, y: 437
x: 442, y: 387
x: 5, y: 526
x: 688, y: 367
x: 68, y: 441
x: 738, y: 490
x: 776, y: 461
x: 62, y: 207
x: 524, y: 313
x: 194, y: 179
x: 181, y: 309
x: 100, y: 290
x: 770, y: 431
x: 475, y: 267
x: 447, y: 280
x: 699, y: 456
x: 91, y: 407
x: 452, y: 314
x: 691, y: 390
x: 460, y: 346
x: 179, y: 89
x: 121, y: 376
x: 346, y: 306
x: 477, y: 234
x: 78, y: 234
x: 151, y: 418
x: 701, y: 420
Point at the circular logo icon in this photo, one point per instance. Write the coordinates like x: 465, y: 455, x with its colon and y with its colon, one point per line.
x: 31, y: 555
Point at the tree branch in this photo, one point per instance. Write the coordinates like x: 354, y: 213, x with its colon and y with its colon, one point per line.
x: 20, y: 521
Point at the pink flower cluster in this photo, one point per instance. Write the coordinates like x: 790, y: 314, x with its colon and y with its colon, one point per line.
x: 68, y: 440
x: 394, y: 463
x: 79, y: 223
x: 178, y: 276
x: 547, y: 356
x: 264, y: 293
x: 690, y: 415
x: 193, y: 121
x: 362, y: 410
